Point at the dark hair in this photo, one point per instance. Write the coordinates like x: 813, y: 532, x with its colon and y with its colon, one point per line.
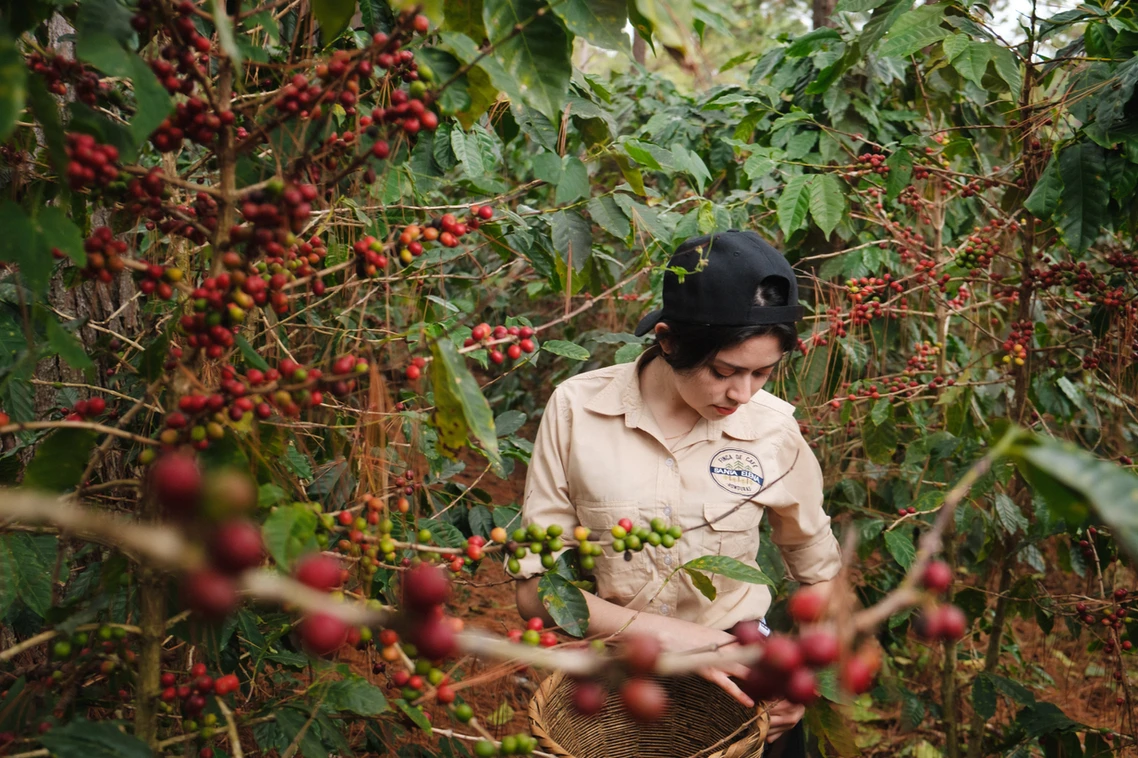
x: 693, y: 346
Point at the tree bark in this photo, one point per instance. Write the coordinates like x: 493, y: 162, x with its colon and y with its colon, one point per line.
x: 822, y: 12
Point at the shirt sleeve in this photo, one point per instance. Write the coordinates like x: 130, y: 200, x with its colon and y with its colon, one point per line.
x: 799, y: 525
x: 546, y: 499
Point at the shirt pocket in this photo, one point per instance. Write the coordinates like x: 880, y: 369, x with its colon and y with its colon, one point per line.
x: 618, y: 580
x: 734, y: 529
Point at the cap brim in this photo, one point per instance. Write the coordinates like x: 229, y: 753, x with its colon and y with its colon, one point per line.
x: 648, y: 322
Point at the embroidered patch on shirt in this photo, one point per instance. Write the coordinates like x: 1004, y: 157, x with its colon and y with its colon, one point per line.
x: 737, y: 471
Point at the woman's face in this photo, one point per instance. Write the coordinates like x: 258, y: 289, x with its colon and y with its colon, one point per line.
x: 731, y: 379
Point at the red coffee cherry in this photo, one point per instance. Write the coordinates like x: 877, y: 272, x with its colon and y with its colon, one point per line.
x: 857, y: 675
x: 641, y: 652
x: 176, y: 483
x: 434, y: 638
x: 322, y: 633
x: 819, y: 648
x: 644, y: 699
x: 209, y: 593
x: 807, y: 606
x: 781, y: 654
x: 748, y: 633
x: 236, y: 546
x: 425, y: 587
x: 937, y: 576
x: 802, y: 687
x: 588, y: 696
x: 320, y: 572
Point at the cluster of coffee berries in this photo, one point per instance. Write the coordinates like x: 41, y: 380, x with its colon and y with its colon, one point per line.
x: 274, y: 216
x: 980, y: 247
x: 511, y: 744
x: 58, y: 72
x: 425, y: 590
x: 370, y: 258
x: 156, y: 280
x: 870, y: 163
x: 628, y: 538
x: 939, y: 622
x: 642, y: 696
x: 85, y: 409
x: 193, y: 689
x: 189, y: 48
x: 192, y: 119
x: 533, y: 635
x: 535, y: 539
x: 321, y: 633
x: 194, y: 222
x: 89, y: 163
x: 412, y: 686
x: 1018, y: 341
x: 144, y: 195
x: 485, y: 333
x: 415, y: 370
x: 104, y: 255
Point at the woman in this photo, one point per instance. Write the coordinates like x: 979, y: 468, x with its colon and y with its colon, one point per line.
x: 687, y: 434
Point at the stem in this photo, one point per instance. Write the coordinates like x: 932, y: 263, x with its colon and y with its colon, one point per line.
x: 948, y: 666
x: 992, y: 655
x: 152, y: 622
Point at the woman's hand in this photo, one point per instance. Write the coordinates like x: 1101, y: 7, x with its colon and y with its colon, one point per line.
x: 678, y: 636
x: 784, y: 715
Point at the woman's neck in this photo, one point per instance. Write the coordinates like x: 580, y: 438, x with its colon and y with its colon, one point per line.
x: 658, y: 388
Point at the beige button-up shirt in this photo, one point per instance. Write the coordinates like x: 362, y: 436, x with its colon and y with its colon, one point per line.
x: 599, y: 456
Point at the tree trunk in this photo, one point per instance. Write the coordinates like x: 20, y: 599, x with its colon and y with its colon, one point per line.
x: 822, y: 12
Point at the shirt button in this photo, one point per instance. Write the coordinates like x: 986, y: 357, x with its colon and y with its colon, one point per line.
x: 664, y: 609
x: 669, y: 463
x: 667, y: 510
x: 668, y: 560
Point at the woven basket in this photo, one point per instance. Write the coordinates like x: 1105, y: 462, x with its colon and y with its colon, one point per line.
x: 702, y: 721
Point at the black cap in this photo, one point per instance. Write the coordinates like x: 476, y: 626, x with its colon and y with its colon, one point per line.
x: 727, y: 269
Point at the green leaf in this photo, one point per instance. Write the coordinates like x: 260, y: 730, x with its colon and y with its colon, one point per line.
x: 46, y: 111
x: 154, y: 357
x: 1009, y: 515
x: 443, y: 533
x: 692, y: 165
x: 59, y: 231
x: 251, y: 356
x: 1086, y: 192
x: 914, y: 30
x: 465, y: 17
x: 357, y: 696
x: 983, y: 697
x: 296, y: 462
x: 152, y: 101
x: 793, y: 204
x: 609, y: 216
x: 572, y: 237
x: 9, y: 571
x: 730, y: 568
x: 574, y: 182
x: 565, y: 603
x: 1110, y: 489
x: 509, y: 422
x: 22, y: 244
x: 971, y: 59
x: 13, y: 85
x: 467, y: 149
x: 900, y: 546
x: 80, y: 738
x: 290, y: 532
x: 415, y: 713
x: 501, y: 715
x: 827, y: 202
x: 108, y: 16
x: 67, y: 346
x: 566, y: 349
x: 856, y: 6
x: 224, y: 26
x: 646, y: 154
x: 701, y: 582
x: 1044, y: 197
x: 34, y: 558
x: 334, y: 17
x: 461, y: 408
x: 537, y: 58
x: 628, y: 353
x: 601, y: 22
x: 670, y: 21
x: 879, y: 440
x: 1009, y: 69
x: 60, y: 460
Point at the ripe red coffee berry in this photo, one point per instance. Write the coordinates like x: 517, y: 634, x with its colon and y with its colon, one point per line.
x: 320, y: 572
x: 937, y: 577
x: 425, y: 587
x: 781, y: 654
x: 857, y: 675
x: 641, y: 652
x: 434, y: 638
x: 322, y: 633
x: 748, y: 633
x: 802, y: 687
x: 176, y: 483
x: 236, y: 546
x: 807, y: 606
x: 952, y: 622
x: 644, y: 699
x: 209, y: 593
x: 588, y: 697
x: 819, y: 648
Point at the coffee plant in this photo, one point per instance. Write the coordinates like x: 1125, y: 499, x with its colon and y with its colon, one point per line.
x: 284, y: 286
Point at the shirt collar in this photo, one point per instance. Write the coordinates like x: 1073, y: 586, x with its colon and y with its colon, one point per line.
x: 621, y: 396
